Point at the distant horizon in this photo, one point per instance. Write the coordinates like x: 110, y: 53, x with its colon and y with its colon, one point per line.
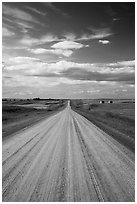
x: 75, y: 98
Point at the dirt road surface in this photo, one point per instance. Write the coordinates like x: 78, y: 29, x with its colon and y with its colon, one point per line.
x: 66, y: 158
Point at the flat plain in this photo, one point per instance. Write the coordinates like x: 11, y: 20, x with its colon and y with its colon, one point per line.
x: 18, y: 114
x: 117, y: 118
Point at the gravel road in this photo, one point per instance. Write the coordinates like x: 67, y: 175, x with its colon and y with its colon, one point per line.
x: 66, y: 158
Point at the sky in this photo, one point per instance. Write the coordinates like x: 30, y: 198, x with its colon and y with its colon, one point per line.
x: 68, y: 50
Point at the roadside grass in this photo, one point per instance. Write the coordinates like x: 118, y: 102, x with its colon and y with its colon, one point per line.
x: 15, y: 118
x: 117, y: 120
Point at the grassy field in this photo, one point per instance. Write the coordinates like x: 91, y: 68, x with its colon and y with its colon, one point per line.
x: 116, y: 119
x: 17, y: 115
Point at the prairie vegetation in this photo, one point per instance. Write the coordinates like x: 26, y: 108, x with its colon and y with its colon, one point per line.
x: 116, y: 119
x: 19, y: 114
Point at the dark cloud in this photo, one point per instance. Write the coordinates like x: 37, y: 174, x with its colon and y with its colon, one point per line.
x: 79, y: 74
x: 44, y: 75
x: 84, y: 75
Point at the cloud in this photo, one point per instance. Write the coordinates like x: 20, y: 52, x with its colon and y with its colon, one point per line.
x: 52, y: 6
x: 20, y: 20
x: 12, y: 63
x: 36, y: 11
x: 24, y: 25
x: 39, y: 50
x: 81, y: 74
x: 98, y: 33
x: 70, y: 36
x: 64, y: 80
x: 93, y: 91
x: 49, y: 37
x: 116, y: 72
x: 23, y: 74
x: 61, y: 47
x: 14, y: 48
x: 130, y: 63
x: 104, y: 42
x: 131, y: 85
x: 92, y: 72
x: 17, y: 25
x: 23, y: 59
x: 58, y: 67
x: 118, y: 67
x: 17, y: 14
x: 123, y: 66
x: 68, y: 45
x: 64, y: 48
x: 70, y: 41
x: 116, y: 19
x: 25, y: 82
x: 65, y: 53
x: 6, y: 32
x: 29, y: 41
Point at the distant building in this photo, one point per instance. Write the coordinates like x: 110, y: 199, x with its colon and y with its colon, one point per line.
x: 101, y: 101
x: 110, y: 101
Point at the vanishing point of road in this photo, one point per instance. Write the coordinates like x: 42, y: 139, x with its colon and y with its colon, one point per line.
x: 66, y: 158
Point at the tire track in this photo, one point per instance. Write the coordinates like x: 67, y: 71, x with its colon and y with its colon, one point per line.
x: 88, y: 163
x: 23, y: 154
x: 113, y: 168
x: 15, y: 175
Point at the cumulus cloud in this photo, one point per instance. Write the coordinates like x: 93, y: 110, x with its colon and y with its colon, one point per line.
x: 65, y: 53
x: 22, y: 59
x: 68, y: 45
x: 130, y: 63
x: 117, y: 72
x: 104, y: 42
x: 31, y: 73
x: 61, y: 47
x: 118, y: 67
x: 19, y: 63
x: 91, y: 72
x: 57, y: 67
x: 64, y: 48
